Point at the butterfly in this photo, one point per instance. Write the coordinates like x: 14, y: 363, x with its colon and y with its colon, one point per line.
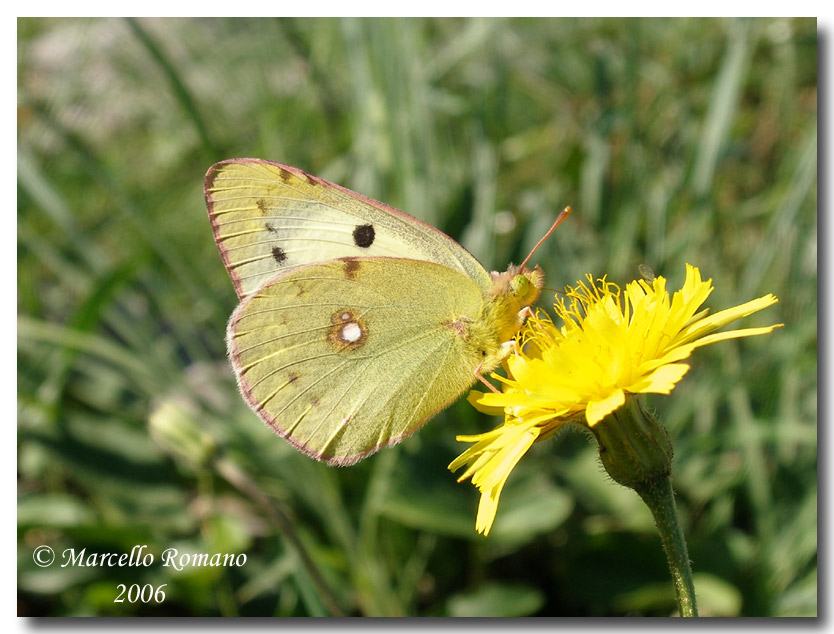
x: 357, y: 323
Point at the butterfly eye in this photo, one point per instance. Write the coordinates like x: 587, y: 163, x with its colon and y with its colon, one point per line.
x: 520, y: 286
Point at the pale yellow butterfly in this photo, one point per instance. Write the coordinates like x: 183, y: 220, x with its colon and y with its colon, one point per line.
x: 357, y: 322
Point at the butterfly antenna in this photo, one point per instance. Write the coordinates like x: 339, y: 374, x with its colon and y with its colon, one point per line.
x: 565, y: 213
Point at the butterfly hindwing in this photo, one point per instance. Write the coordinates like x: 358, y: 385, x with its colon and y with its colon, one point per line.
x: 268, y: 218
x: 346, y: 356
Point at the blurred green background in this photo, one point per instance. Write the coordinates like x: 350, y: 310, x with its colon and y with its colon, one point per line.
x: 675, y: 140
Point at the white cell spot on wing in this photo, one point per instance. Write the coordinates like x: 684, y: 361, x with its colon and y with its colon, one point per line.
x: 351, y: 332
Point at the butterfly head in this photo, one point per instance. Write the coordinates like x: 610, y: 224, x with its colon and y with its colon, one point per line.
x: 519, y: 285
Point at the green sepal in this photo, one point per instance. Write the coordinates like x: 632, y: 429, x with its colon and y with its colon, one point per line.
x: 634, y: 446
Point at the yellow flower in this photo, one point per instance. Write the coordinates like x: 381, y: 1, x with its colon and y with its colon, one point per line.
x: 612, y: 343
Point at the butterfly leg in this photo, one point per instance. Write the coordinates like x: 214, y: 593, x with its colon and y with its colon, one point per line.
x: 508, y: 347
x: 481, y: 378
x: 524, y: 314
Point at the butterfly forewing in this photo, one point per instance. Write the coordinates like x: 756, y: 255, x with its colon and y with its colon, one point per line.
x: 268, y: 218
x: 344, y: 357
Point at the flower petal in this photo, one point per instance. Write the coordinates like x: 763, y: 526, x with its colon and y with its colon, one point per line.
x: 597, y: 410
x: 487, y: 508
x: 735, y: 334
x: 661, y: 381
x: 724, y: 317
x: 476, y: 400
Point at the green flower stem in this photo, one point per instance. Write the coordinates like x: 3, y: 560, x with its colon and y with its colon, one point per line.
x: 660, y: 498
x: 636, y: 451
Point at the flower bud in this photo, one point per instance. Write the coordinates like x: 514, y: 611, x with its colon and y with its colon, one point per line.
x: 634, y: 446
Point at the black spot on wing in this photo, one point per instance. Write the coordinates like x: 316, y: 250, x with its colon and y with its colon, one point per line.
x: 278, y: 254
x: 271, y: 228
x: 363, y: 236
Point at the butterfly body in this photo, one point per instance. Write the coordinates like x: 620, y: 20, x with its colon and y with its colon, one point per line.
x: 357, y: 323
